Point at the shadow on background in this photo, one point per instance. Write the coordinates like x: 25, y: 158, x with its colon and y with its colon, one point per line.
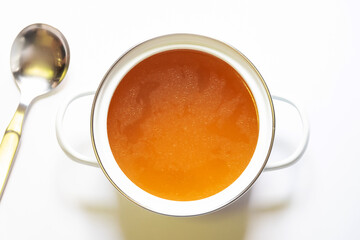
x: 136, y: 223
x: 228, y: 223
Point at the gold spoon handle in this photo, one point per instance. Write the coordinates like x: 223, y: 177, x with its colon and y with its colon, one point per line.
x: 9, y: 145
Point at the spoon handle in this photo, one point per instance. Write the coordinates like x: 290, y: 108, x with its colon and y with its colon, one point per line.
x: 9, y: 145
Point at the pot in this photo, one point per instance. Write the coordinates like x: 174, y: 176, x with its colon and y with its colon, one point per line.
x: 106, y: 161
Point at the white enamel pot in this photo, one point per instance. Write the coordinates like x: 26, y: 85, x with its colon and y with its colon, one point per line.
x: 105, y: 159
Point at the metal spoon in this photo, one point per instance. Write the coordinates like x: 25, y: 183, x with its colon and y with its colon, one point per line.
x: 39, y: 61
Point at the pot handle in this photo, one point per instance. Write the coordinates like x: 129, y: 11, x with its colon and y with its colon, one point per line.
x: 299, y: 152
x: 65, y: 146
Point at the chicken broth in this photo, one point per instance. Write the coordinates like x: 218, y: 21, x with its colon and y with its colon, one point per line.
x: 182, y: 125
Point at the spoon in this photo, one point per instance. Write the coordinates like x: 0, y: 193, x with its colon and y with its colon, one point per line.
x: 39, y: 61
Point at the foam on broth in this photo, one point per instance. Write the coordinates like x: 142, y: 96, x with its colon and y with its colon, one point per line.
x: 182, y: 125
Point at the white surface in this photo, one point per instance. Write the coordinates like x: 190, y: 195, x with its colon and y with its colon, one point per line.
x: 307, y: 51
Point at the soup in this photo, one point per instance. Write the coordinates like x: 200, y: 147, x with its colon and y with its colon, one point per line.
x: 182, y: 125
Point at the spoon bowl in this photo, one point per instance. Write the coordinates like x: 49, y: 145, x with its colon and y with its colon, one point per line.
x: 39, y: 61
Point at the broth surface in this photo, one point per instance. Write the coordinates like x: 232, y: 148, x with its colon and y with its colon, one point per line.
x: 182, y: 125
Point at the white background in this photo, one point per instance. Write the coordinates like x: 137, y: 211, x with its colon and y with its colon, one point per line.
x: 306, y: 50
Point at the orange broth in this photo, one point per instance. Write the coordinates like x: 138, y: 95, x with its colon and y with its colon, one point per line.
x: 182, y: 125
